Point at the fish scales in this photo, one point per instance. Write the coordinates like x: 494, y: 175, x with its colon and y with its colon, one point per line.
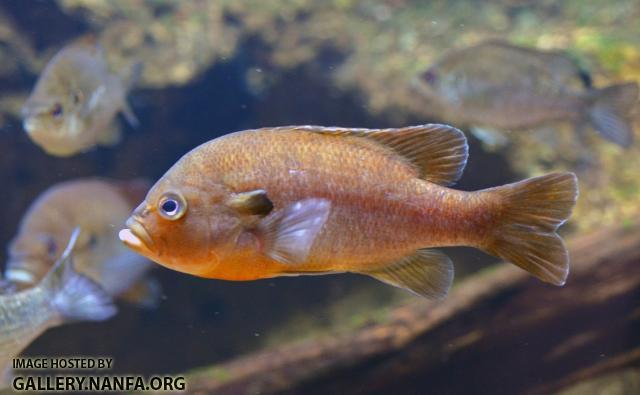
x: 393, y: 208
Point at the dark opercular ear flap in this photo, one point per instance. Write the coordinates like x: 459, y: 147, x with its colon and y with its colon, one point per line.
x: 251, y: 203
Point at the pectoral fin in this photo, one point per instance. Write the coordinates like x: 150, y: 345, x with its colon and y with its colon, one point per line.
x: 129, y: 115
x: 251, y: 203
x: 288, y: 236
x: 129, y: 82
x: 94, y: 99
x: 427, y: 273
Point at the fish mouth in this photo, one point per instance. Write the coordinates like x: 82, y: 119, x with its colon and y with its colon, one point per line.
x: 29, y: 125
x: 135, y: 235
x: 21, y: 276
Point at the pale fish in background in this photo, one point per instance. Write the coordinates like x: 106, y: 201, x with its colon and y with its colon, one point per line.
x: 62, y: 296
x: 99, y: 207
x: 315, y: 200
x: 495, y: 86
x: 74, y: 104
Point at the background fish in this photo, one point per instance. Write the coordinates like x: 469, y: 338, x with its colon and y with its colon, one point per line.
x: 498, y: 85
x: 99, y: 207
x: 62, y: 296
x: 74, y: 103
x: 313, y: 200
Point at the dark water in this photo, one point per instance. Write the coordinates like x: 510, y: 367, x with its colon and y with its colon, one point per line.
x: 202, y: 322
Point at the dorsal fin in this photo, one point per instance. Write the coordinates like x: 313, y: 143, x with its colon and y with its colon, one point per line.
x: 438, y: 152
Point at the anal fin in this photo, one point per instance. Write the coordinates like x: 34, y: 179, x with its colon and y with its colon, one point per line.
x: 427, y: 273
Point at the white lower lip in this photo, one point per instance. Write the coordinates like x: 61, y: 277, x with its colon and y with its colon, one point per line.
x: 126, y: 236
x: 28, y: 125
x: 20, y: 276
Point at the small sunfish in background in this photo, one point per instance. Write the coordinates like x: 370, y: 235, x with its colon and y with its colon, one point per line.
x: 496, y: 85
x: 74, y: 104
x: 62, y: 296
x: 99, y: 207
x: 313, y: 200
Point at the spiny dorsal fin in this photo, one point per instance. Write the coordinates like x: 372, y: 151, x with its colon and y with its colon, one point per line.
x: 610, y: 112
x: 428, y: 273
x: 438, y: 152
x: 88, y: 44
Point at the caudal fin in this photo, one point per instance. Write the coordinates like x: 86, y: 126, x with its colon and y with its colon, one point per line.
x: 531, y: 212
x: 73, y: 295
x: 609, y: 112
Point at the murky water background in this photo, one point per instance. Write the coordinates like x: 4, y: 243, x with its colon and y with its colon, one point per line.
x: 216, y: 67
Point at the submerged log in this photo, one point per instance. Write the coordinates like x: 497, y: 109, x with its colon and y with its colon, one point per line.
x: 499, y: 331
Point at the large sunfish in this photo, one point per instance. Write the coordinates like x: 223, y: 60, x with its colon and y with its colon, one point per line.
x: 496, y: 86
x: 312, y: 200
x: 62, y: 296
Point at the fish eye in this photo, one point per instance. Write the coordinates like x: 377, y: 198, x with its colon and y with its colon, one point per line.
x: 52, y: 248
x: 93, y: 240
x: 172, y: 206
x: 57, y: 110
x: 430, y: 76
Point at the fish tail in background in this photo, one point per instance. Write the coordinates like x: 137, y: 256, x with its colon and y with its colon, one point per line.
x: 530, y: 213
x: 609, y: 112
x: 74, y: 296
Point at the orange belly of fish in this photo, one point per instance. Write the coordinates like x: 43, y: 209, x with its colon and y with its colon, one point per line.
x: 245, y: 266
